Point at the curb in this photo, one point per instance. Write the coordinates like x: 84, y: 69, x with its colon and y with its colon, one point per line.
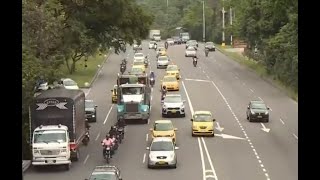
x: 25, y: 165
x: 96, y: 75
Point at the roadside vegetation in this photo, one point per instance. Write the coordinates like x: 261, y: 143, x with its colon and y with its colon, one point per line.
x: 269, y: 25
x: 58, y: 35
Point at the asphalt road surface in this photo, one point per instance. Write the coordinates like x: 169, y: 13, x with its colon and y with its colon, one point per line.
x: 239, y: 151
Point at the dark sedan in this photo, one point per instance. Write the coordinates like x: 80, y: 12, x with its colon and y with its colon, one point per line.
x: 257, y: 111
x: 210, y: 46
x: 176, y: 39
x: 91, y: 111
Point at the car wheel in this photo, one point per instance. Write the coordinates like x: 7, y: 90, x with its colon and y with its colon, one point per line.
x: 183, y: 115
x: 212, y: 135
x: 193, y: 135
x: 250, y: 120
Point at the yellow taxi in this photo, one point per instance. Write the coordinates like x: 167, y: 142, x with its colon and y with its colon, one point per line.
x: 162, y: 52
x: 174, y: 70
x: 139, y: 62
x: 202, y: 123
x: 164, y: 128
x: 170, y: 82
x: 114, y: 94
x: 138, y: 70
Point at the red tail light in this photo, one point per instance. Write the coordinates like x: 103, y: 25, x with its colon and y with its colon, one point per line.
x: 73, y: 146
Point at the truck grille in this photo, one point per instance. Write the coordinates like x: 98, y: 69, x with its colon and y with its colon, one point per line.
x: 50, y: 152
x: 173, y: 108
x: 132, y: 107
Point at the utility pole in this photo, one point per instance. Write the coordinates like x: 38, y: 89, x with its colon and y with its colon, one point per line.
x: 231, y: 25
x: 204, y: 22
x: 223, y: 27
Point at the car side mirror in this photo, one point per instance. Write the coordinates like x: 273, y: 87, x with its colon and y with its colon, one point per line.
x: 111, y: 90
x: 191, y: 119
x: 95, y: 105
x: 213, y: 120
x: 248, y: 107
x: 148, y: 148
x: 176, y: 148
x: 176, y: 129
x: 268, y: 108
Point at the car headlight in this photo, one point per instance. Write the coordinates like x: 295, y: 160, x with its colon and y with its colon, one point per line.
x: 164, y: 106
x: 252, y: 112
x: 151, y: 156
x: 144, y: 110
x: 171, y: 156
x: 93, y: 115
x: 194, y: 127
x: 63, y: 150
x: 182, y: 106
x: 266, y: 112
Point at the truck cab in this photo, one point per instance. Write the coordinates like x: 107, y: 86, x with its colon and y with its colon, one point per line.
x: 50, y: 146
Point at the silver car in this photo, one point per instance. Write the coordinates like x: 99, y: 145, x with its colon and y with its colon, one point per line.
x: 191, y: 52
x: 162, y: 62
x: 162, y: 153
x: 173, y: 105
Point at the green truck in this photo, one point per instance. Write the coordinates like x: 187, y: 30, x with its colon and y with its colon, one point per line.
x: 133, y: 102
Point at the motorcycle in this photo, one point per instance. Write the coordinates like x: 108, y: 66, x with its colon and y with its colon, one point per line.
x: 120, y: 134
x: 207, y: 52
x: 107, y: 154
x: 122, y: 68
x: 195, y: 61
x: 152, y: 82
x: 86, y: 138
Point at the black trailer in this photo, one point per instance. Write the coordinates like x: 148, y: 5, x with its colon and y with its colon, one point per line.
x: 61, y: 106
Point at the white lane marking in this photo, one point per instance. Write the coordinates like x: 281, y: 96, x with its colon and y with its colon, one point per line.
x: 86, y: 159
x: 148, y: 120
x: 208, y: 77
x: 209, y: 158
x: 199, y: 142
x: 202, y: 159
x: 209, y: 176
x: 151, y: 98
x: 270, y: 109
x: 147, y: 135
x: 281, y: 121
x: 251, y: 90
x: 144, y: 158
x: 236, y: 118
x: 97, y: 136
x: 260, y: 98
x: 200, y: 80
x: 86, y: 94
x: 236, y: 77
x: 152, y: 89
x: 295, y: 136
x: 244, y: 84
x: 203, y: 71
x: 108, y: 114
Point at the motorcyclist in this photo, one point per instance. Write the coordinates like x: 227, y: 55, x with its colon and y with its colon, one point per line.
x: 195, y: 61
x: 206, y: 50
x: 121, y: 123
x: 106, y: 142
x: 152, y: 77
x: 155, y: 46
x: 163, y: 92
x: 113, y: 131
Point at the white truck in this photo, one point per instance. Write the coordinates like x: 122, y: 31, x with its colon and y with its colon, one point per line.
x: 155, y: 35
x: 57, y: 127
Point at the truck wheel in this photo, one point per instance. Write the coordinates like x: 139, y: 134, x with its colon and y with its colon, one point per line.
x: 77, y: 156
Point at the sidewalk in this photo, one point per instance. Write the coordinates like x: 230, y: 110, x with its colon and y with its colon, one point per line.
x: 25, y: 164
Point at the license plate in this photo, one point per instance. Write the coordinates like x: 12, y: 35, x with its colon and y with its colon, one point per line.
x: 173, y: 111
x: 259, y: 116
x: 162, y: 162
x: 50, y: 162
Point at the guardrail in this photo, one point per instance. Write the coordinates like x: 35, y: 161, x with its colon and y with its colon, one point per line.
x: 25, y: 165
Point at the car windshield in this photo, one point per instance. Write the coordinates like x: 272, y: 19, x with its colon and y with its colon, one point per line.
x: 163, y: 127
x: 209, y: 43
x: 162, y: 146
x: 152, y: 42
x: 132, y: 90
x: 170, y: 79
x: 89, y: 104
x: 138, y: 55
x: 172, y: 68
x: 47, y: 136
x: 202, y: 117
x: 169, y: 39
x: 163, y: 58
x: 103, y: 176
x: 258, y: 106
x: 172, y: 99
x: 138, y: 63
x: 191, y: 49
x: 69, y: 83
x: 136, y: 70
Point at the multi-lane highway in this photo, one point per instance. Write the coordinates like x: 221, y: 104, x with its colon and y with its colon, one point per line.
x: 239, y: 151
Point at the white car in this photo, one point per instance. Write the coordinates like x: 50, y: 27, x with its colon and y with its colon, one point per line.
x: 191, y: 52
x: 162, y: 62
x: 151, y: 44
x: 137, y: 47
x: 138, y: 56
x: 170, y: 41
x: 162, y: 153
x: 173, y: 105
x: 69, y: 84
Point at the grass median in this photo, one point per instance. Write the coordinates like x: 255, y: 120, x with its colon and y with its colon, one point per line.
x: 259, y: 69
x: 82, y: 74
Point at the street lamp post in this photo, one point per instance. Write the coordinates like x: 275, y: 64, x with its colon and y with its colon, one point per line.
x: 204, y: 23
x: 231, y: 25
x: 223, y: 27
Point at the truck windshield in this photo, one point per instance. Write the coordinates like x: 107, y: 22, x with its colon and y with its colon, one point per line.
x: 132, y: 90
x: 47, y: 136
